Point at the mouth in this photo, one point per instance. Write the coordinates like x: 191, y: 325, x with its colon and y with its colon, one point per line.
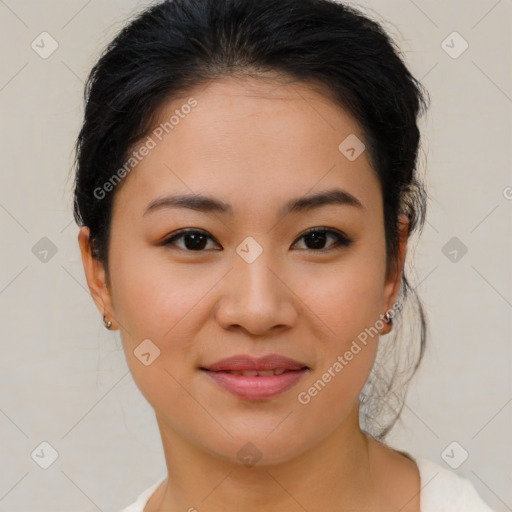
x: 256, y: 384
x: 257, y: 373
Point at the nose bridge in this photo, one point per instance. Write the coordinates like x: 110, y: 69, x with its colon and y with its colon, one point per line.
x: 254, y: 297
x: 252, y: 275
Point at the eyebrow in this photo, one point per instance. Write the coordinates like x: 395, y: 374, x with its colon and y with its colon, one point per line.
x: 209, y: 204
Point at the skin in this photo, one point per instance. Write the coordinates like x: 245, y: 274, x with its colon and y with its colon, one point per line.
x: 255, y: 143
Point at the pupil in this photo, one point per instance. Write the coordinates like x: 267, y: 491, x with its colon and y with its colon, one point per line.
x: 195, y: 239
x: 318, y: 239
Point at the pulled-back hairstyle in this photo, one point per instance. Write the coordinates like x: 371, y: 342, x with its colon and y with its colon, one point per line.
x: 176, y: 45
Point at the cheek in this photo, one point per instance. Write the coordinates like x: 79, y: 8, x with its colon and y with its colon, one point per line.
x: 152, y: 296
x: 347, y: 296
x: 158, y: 301
x: 346, y: 303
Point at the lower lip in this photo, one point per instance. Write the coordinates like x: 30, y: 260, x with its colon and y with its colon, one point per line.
x: 258, y: 387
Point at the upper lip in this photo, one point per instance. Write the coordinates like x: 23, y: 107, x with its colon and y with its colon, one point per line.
x: 242, y: 362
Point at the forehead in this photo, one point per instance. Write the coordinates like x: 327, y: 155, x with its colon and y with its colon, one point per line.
x: 250, y: 140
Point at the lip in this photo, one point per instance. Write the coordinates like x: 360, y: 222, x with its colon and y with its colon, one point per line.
x: 259, y: 387
x: 243, y: 362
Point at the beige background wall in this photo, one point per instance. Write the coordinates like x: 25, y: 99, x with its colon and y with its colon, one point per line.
x: 63, y: 376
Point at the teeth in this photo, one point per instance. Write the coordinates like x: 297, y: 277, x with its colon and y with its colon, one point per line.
x: 249, y: 373
x: 262, y: 373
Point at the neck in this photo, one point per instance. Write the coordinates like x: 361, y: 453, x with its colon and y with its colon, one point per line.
x: 332, y: 475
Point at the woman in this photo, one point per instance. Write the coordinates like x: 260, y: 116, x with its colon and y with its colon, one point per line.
x: 246, y: 188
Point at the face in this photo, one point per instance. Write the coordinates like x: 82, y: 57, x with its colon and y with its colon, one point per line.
x: 251, y: 279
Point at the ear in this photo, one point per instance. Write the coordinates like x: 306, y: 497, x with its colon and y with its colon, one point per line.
x: 96, y: 276
x: 394, y: 279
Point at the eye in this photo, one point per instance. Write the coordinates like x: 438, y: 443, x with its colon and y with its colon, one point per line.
x: 316, y: 237
x: 194, y: 239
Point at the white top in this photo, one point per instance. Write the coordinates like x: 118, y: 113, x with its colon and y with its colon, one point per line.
x: 442, y: 490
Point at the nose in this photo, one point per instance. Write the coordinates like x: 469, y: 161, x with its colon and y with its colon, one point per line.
x: 256, y: 298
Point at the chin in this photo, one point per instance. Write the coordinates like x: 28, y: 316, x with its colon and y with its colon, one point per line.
x: 256, y: 449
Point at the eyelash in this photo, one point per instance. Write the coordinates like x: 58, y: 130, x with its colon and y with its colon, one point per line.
x: 341, y: 240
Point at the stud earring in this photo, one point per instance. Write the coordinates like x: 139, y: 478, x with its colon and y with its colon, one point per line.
x: 388, y: 316
x: 108, y: 324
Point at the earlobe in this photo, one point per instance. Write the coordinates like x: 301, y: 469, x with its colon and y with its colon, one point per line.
x: 95, y: 275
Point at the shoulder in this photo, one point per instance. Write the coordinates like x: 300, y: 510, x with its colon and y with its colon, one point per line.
x: 143, y: 498
x: 442, y: 490
x: 422, y: 484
